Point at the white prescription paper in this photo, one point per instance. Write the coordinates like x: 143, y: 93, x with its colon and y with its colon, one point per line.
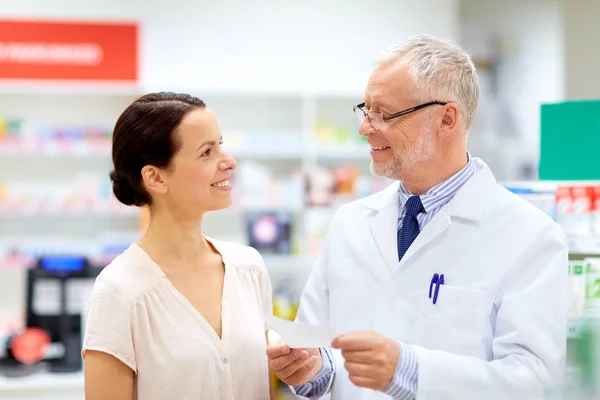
x: 298, y: 335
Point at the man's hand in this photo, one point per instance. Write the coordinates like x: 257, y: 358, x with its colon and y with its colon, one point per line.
x: 370, y: 358
x: 294, y: 366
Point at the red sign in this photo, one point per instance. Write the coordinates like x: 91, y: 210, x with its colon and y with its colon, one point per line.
x: 68, y: 51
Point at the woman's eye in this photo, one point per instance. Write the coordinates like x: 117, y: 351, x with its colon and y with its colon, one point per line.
x: 206, y: 153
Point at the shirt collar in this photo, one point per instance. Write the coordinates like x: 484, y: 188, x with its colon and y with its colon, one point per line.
x: 442, y: 193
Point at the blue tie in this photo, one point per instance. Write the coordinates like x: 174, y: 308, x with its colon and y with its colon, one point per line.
x: 410, y: 226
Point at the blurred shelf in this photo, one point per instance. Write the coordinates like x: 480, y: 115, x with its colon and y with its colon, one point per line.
x: 41, y: 382
x: 269, y: 154
x: 354, y: 153
x: 37, y: 87
x: 282, y: 260
x: 236, y: 210
x: 233, y: 212
x: 584, y: 243
x: 335, y: 153
x: 74, y: 150
x: 78, y: 213
x: 546, y: 184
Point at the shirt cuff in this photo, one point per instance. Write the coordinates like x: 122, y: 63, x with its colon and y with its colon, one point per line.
x: 319, y: 385
x: 406, y: 378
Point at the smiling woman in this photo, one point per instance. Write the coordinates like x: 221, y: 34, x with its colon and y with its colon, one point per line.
x: 177, y: 315
x: 161, y: 144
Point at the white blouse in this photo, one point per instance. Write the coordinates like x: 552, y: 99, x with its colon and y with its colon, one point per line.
x: 138, y: 316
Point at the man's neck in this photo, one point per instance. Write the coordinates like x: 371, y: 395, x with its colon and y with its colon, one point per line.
x: 426, y: 178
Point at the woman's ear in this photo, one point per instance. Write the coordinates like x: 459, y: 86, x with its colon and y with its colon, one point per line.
x: 153, y: 180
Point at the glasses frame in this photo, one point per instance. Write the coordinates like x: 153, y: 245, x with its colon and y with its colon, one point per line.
x: 385, y: 118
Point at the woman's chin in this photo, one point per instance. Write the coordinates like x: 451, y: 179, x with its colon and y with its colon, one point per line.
x: 221, y: 204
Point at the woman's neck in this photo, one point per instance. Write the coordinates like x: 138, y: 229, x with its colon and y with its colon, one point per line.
x: 173, y: 242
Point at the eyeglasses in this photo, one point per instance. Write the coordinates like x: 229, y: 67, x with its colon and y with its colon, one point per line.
x: 378, y: 120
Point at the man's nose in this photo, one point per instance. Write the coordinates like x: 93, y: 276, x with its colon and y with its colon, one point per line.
x: 366, y: 128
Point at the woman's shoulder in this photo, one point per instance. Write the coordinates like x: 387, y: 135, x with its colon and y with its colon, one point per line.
x: 129, y: 273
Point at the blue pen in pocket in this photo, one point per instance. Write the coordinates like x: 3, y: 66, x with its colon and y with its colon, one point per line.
x: 434, y: 280
x: 437, y: 280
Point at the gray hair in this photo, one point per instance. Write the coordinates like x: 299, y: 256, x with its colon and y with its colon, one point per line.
x: 439, y: 70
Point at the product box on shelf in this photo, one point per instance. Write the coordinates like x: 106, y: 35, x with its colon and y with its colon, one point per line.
x: 592, y: 287
x: 577, y: 289
x: 84, y: 193
x: 596, y: 209
x: 334, y: 186
x: 578, y: 208
x: 258, y: 186
x: 18, y: 137
x: 329, y: 135
x: 270, y: 231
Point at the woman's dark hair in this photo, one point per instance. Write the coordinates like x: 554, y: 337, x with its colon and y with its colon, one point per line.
x: 145, y: 135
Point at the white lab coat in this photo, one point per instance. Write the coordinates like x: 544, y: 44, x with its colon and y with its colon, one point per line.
x: 498, y: 330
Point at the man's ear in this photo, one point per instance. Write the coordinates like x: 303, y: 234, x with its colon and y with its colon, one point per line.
x: 450, y: 121
x: 153, y: 179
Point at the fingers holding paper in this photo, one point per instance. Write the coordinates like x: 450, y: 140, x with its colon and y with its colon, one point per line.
x: 370, y: 358
x: 293, y: 366
x: 296, y: 359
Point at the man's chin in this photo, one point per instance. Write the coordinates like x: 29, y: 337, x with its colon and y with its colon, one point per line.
x: 384, y: 170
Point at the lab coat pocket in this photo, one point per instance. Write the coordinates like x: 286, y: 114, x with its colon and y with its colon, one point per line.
x: 458, y: 322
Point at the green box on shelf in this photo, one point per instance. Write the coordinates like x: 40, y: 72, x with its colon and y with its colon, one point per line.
x: 570, y: 141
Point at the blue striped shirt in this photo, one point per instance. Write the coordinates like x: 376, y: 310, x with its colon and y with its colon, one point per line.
x: 404, y: 383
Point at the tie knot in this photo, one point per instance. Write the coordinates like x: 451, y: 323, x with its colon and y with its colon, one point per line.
x: 414, y: 206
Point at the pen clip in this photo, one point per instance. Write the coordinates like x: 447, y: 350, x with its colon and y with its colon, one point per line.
x: 439, y: 282
x: 434, y: 280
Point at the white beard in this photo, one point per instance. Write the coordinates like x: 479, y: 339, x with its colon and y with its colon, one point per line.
x: 402, y: 164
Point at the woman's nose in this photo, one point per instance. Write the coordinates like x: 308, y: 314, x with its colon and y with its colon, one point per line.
x: 227, y: 163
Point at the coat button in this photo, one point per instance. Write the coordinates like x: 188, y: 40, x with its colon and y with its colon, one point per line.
x: 226, y: 360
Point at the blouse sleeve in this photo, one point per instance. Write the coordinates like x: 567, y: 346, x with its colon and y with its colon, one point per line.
x: 108, y: 323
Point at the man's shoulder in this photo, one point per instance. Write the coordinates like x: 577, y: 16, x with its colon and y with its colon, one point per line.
x: 520, y: 212
x: 374, y: 201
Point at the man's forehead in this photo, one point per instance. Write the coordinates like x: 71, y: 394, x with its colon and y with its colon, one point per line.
x: 388, y: 85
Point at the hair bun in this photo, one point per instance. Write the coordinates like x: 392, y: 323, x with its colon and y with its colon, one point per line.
x: 124, y: 191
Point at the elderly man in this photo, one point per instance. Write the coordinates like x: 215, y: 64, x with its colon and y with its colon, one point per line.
x: 444, y: 285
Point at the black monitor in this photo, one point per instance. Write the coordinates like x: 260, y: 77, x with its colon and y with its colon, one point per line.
x: 50, y: 284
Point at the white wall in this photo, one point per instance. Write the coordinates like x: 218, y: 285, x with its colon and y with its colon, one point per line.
x: 530, y: 41
x: 267, y: 45
x: 582, y: 34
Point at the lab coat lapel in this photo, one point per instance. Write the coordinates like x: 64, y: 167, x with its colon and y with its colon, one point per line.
x: 384, y: 224
x: 438, y: 224
x: 467, y: 204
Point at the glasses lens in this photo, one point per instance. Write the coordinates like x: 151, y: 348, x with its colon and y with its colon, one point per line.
x: 377, y: 121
